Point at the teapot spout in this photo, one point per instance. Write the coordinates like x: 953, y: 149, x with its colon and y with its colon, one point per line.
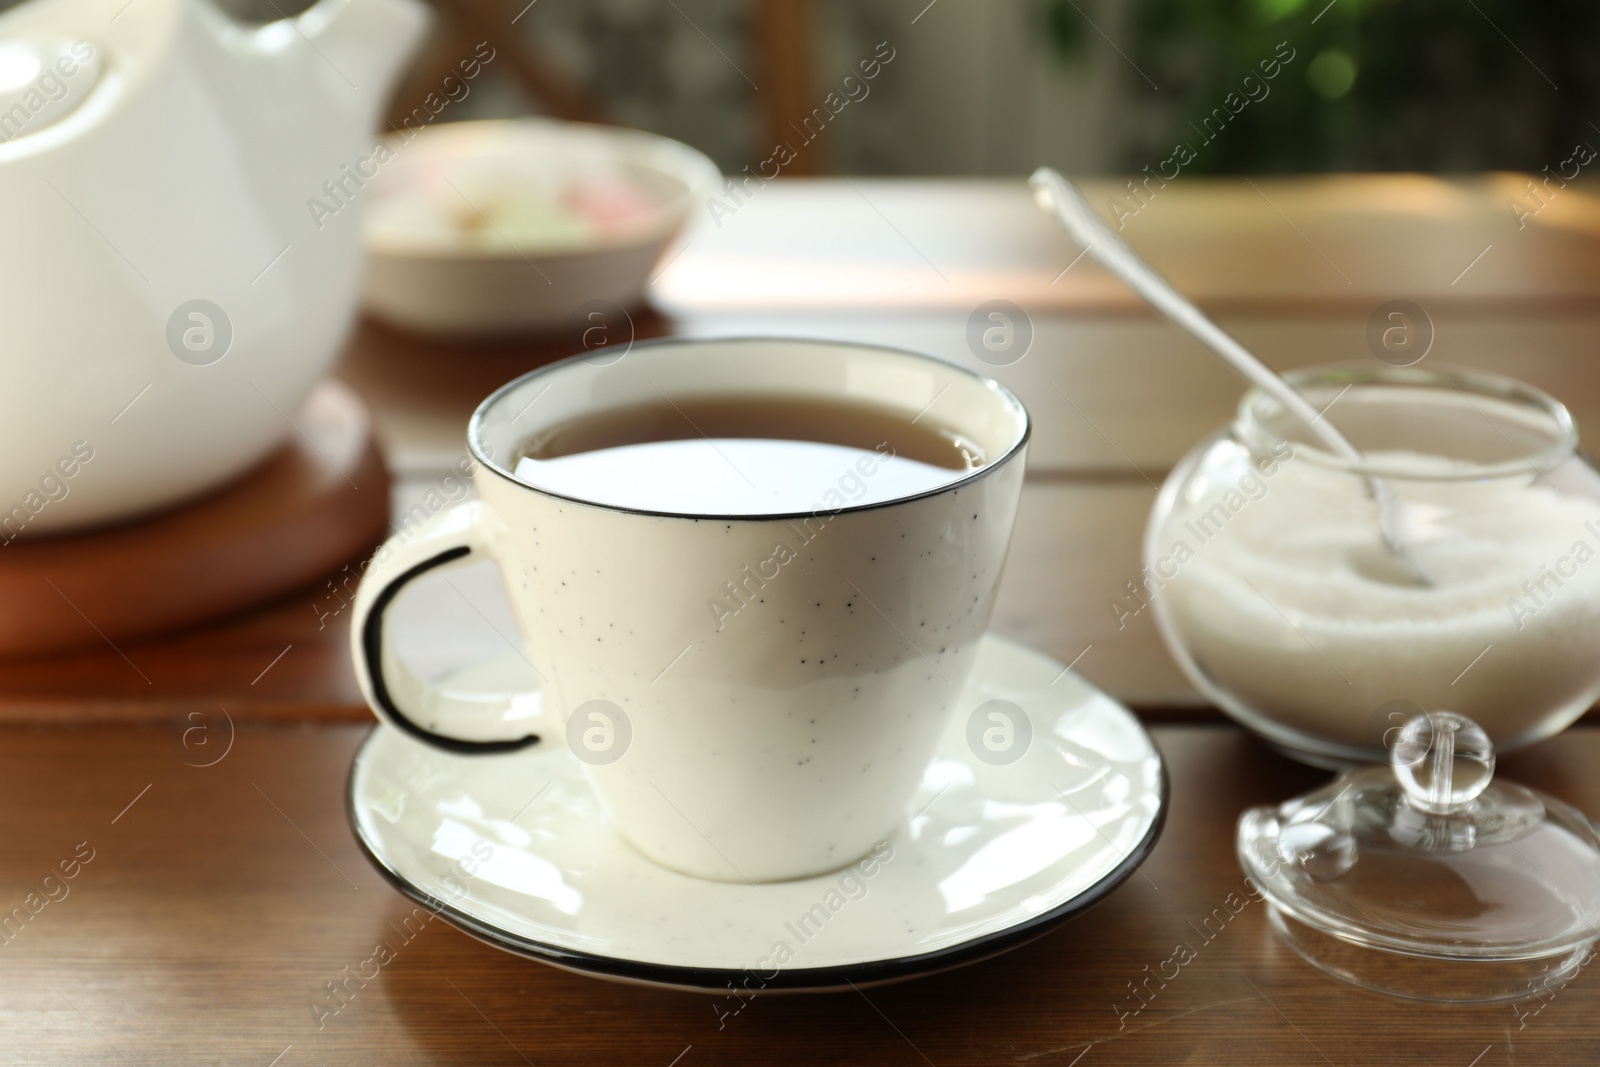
x: 367, y: 41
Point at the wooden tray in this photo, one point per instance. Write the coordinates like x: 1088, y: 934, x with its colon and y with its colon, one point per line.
x: 318, y: 502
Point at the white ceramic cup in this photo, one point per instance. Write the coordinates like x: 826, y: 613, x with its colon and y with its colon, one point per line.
x: 784, y: 733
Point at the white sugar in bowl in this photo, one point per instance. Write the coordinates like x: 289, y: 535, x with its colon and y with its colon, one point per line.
x: 1280, y: 600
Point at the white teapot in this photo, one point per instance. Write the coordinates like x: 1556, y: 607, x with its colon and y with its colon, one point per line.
x: 168, y: 295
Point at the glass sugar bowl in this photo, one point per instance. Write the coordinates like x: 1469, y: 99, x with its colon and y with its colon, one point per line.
x: 1278, y: 595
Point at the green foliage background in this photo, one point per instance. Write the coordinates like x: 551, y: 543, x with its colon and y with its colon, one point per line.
x: 1439, y: 85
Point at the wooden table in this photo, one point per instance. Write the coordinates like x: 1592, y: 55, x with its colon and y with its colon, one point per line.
x: 221, y: 898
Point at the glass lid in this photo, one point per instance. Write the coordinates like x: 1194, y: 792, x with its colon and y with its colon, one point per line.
x: 1433, y: 860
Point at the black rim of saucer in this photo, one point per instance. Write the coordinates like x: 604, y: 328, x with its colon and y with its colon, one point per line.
x: 803, y: 979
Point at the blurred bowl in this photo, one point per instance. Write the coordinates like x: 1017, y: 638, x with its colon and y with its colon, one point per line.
x: 514, y: 226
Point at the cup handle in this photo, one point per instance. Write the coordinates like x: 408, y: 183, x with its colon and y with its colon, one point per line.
x: 456, y: 722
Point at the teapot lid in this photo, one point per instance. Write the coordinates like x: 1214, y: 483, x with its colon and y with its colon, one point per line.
x: 43, y: 78
x: 1428, y: 878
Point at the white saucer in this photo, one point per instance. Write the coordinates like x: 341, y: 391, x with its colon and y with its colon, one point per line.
x: 514, y: 850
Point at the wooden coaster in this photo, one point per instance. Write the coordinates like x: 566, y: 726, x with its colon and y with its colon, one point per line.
x: 319, y: 501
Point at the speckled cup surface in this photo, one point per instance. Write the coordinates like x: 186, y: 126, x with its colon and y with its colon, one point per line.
x: 781, y: 680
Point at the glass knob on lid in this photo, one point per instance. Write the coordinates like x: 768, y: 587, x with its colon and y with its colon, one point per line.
x: 1429, y: 878
x: 1443, y: 761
